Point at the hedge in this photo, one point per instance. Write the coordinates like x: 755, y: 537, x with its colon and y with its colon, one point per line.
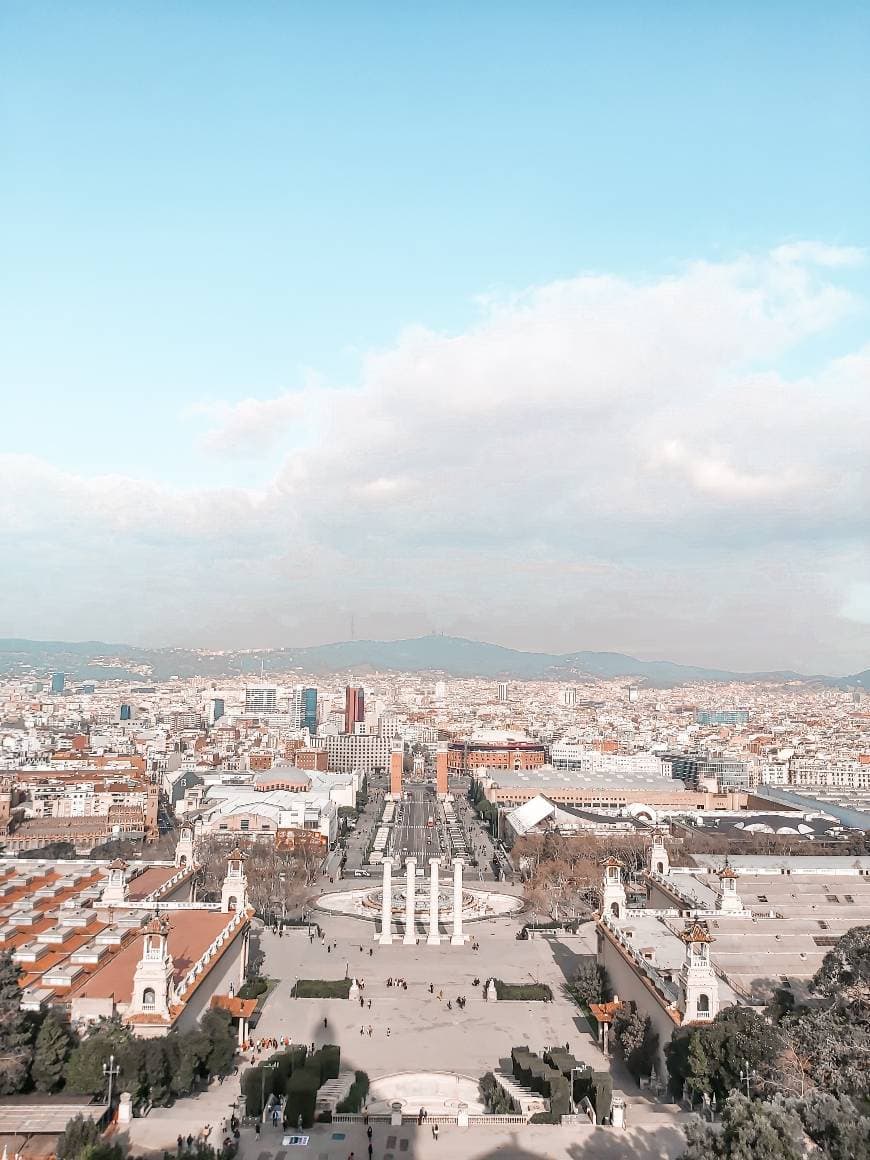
x: 528, y: 992
x: 355, y: 1098
x: 321, y: 989
x: 253, y: 989
x: 301, y: 1096
x: 257, y: 1083
x: 330, y: 1062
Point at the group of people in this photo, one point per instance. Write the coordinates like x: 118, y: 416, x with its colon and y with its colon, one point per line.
x: 257, y: 1046
x: 403, y: 983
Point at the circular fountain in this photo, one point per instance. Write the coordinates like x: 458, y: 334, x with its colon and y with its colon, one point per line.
x: 366, y: 903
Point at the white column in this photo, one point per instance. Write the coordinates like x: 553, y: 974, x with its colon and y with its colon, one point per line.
x: 410, y: 909
x: 387, y: 904
x: 434, y: 938
x: 457, y: 938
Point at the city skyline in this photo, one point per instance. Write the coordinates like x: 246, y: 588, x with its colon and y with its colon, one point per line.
x: 546, y: 332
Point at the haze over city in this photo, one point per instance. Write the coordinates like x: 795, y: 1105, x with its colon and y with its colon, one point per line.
x: 551, y: 332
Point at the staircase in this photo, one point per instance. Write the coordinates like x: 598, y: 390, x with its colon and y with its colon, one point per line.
x: 334, y: 1090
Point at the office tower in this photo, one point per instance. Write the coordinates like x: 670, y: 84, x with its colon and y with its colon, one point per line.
x: 354, y: 707
x: 216, y: 709
x: 633, y: 693
x: 303, y: 708
x: 569, y: 698
x: 58, y: 681
x: 263, y: 699
x: 126, y: 713
x: 502, y: 690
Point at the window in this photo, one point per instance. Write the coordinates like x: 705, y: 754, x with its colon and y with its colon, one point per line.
x: 703, y: 1004
x: 245, y: 824
x: 149, y: 998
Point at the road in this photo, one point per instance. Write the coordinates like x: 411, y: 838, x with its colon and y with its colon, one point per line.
x: 412, y: 837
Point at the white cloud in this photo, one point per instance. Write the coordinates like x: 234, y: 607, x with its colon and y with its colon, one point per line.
x: 606, y: 427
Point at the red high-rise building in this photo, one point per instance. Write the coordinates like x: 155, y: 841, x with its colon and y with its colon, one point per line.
x: 354, y: 707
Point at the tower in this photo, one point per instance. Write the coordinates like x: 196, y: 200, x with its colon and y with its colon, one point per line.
x: 234, y: 892
x: 397, y: 766
x: 659, y: 862
x: 728, y: 900
x: 699, y: 987
x: 613, y: 903
x: 115, y: 890
x: 184, y: 848
x: 441, y: 755
x: 152, y: 981
x: 354, y: 707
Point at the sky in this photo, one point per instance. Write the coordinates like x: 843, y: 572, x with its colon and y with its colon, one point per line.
x: 539, y: 323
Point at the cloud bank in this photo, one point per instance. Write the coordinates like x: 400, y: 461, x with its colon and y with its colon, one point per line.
x: 598, y: 462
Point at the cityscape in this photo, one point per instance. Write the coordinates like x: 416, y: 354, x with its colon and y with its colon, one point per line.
x: 434, y: 580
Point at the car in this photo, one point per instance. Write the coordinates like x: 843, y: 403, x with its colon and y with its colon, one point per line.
x: 362, y: 874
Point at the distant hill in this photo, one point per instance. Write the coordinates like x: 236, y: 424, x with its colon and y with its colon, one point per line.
x: 448, y: 655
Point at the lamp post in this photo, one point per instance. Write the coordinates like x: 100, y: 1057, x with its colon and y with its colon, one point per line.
x: 747, y: 1076
x: 109, y: 1072
x: 263, y: 1067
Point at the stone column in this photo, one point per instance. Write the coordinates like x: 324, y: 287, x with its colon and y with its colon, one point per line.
x: 434, y: 938
x: 387, y: 904
x: 457, y: 938
x: 410, y: 912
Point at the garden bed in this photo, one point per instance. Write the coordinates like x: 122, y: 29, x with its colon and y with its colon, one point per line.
x: 321, y: 989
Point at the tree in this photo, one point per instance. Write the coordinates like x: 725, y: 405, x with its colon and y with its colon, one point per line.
x: 844, y: 975
x: 78, y: 1134
x: 590, y: 981
x: 217, y: 1027
x: 637, y: 1040
x: 750, y: 1130
x: 710, y: 1058
x: 53, y: 1046
x: 835, y: 1125
x: 15, y: 1047
x: 84, y: 1068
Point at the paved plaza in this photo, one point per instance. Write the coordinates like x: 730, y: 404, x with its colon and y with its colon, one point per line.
x: 412, y: 1030
x: 423, y: 1032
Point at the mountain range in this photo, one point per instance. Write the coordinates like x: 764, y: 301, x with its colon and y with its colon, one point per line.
x: 447, y: 655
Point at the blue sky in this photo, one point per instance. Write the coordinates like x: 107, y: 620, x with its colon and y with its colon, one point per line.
x: 210, y: 203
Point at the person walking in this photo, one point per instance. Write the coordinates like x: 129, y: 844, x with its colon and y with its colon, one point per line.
x: 434, y: 1131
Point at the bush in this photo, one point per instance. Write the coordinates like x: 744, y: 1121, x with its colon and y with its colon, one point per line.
x: 602, y: 1085
x: 590, y: 982
x: 330, y: 1062
x: 523, y: 992
x: 321, y: 989
x: 355, y: 1098
x: 254, y: 989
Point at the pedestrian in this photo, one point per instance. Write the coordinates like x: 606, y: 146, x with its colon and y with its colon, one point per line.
x: 369, y: 1131
x: 371, y: 1030
x: 189, y: 1140
x: 180, y: 1141
x: 257, y: 1129
x: 388, y: 1033
x: 371, y: 952
x: 434, y: 1131
x: 324, y: 1022
x: 370, y: 1004
x: 370, y: 1150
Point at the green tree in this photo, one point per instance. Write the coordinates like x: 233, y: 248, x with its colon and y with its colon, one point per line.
x: 710, y: 1058
x: 844, y: 975
x: 53, y: 1046
x: 835, y: 1125
x: 637, y: 1040
x: 217, y: 1027
x: 15, y: 1036
x: 84, y: 1068
x: 78, y: 1134
x: 750, y: 1130
x: 590, y: 981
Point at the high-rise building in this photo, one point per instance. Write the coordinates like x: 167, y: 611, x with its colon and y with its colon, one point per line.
x: 303, y: 708
x: 354, y: 707
x: 58, y: 681
x: 569, y: 698
x: 216, y: 709
x: 502, y: 690
x: 633, y: 693
x: 126, y: 713
x: 722, y: 717
x: 263, y: 699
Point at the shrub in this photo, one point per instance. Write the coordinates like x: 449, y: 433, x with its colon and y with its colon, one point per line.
x: 560, y: 1097
x: 253, y: 989
x: 523, y: 992
x: 590, y: 983
x: 258, y: 1083
x: 321, y: 988
x: 355, y: 1098
x: 330, y: 1065
x: 602, y: 1085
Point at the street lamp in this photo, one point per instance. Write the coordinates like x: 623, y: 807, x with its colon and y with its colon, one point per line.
x: 110, y: 1071
x: 263, y: 1067
x: 747, y: 1076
